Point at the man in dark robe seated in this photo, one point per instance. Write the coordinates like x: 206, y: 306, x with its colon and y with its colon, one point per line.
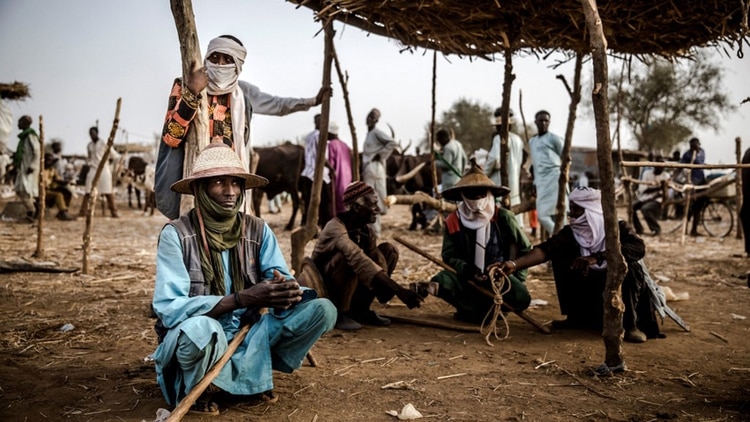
x: 577, y: 253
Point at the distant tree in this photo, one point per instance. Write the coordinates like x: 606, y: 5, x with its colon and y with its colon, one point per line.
x: 470, y: 122
x: 663, y: 103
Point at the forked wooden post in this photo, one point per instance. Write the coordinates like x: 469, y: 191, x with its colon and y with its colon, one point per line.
x: 301, y: 236
x: 197, y: 136
x: 508, y: 79
x: 616, y: 268
x: 575, y: 99
x: 738, y: 180
x: 433, y: 168
x: 344, y: 81
x: 92, y: 208
x: 39, y: 253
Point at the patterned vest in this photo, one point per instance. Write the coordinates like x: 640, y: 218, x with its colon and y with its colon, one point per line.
x: 250, y: 244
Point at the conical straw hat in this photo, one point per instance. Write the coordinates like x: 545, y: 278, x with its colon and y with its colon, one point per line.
x: 473, y: 178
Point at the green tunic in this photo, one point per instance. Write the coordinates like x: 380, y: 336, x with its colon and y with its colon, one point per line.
x: 507, y: 241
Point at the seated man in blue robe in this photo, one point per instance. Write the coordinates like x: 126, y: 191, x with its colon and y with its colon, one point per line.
x: 216, y: 269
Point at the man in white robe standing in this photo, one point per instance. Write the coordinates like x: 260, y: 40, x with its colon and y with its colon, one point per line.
x: 493, y: 165
x: 375, y: 152
x: 26, y: 162
x: 95, y: 152
x: 546, y: 157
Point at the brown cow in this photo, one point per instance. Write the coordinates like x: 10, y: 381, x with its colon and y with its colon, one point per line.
x: 282, y: 166
x: 415, y: 174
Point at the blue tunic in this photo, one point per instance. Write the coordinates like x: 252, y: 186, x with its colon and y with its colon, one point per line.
x: 194, y: 342
x: 546, y: 152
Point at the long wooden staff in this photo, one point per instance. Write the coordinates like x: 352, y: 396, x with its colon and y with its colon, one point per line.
x: 39, y: 253
x: 184, y: 406
x: 86, y: 248
x: 480, y: 289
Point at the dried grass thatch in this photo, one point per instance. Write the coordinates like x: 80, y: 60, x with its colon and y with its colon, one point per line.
x: 482, y: 27
x: 15, y: 91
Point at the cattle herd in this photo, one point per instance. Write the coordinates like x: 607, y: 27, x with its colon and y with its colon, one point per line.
x: 282, y: 165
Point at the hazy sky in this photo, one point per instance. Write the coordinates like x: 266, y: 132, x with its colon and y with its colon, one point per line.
x: 79, y: 56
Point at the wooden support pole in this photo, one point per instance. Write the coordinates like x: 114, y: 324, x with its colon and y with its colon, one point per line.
x: 433, y: 167
x: 616, y: 267
x: 685, y: 215
x: 523, y: 118
x: 344, y: 80
x: 508, y: 79
x: 562, y: 186
x: 444, y: 206
x: 668, y: 165
x: 301, y: 236
x: 626, y: 185
x: 92, y: 208
x: 738, y: 181
x: 197, y: 137
x: 421, y: 198
x: 39, y: 252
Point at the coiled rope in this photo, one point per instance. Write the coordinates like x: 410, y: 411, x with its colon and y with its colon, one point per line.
x: 500, y: 286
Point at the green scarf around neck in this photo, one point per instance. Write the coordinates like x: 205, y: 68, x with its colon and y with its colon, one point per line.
x: 223, y: 232
x: 18, y: 157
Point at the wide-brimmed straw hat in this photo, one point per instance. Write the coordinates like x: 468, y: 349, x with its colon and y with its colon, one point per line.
x: 474, y: 178
x: 217, y: 159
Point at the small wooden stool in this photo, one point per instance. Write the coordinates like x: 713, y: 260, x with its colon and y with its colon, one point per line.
x: 309, y: 276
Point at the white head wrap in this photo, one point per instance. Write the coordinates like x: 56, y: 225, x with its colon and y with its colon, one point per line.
x: 224, y: 79
x: 477, y: 214
x: 588, y: 229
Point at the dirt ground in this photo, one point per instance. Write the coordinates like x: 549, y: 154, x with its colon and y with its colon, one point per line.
x: 98, y: 371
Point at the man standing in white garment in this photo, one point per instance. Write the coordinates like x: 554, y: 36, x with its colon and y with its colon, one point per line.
x: 546, y: 157
x: 308, y: 174
x: 493, y: 166
x: 95, y: 152
x: 375, y: 152
x: 26, y: 163
x: 452, y: 161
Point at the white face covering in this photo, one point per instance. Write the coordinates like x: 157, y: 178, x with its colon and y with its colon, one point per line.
x: 588, y: 228
x: 476, y: 205
x: 222, y: 79
x: 580, y: 224
x: 476, y: 214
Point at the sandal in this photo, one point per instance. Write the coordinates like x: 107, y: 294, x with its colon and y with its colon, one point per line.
x: 255, y: 400
x: 204, y: 406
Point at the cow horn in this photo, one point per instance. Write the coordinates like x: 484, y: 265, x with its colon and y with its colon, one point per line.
x: 407, y: 147
x: 408, y: 176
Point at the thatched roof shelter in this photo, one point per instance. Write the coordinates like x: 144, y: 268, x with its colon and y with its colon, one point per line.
x: 14, y: 91
x: 482, y: 27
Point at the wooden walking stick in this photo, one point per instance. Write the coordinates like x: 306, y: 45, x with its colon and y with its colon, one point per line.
x: 39, y: 253
x: 480, y: 289
x: 86, y: 248
x: 184, y: 406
